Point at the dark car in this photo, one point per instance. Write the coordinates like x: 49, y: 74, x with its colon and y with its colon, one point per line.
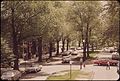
x: 33, y: 68
x: 73, y: 48
x: 11, y: 75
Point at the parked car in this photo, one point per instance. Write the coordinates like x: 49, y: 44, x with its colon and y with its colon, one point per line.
x: 66, y: 59
x: 79, y: 48
x: 115, y: 56
x: 33, y: 68
x: 72, y: 48
x: 104, y: 61
x: 75, y: 52
x: 11, y: 75
x: 66, y: 53
x: 2, y: 70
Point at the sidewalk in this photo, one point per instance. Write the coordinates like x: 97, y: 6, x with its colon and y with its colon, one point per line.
x: 86, y: 69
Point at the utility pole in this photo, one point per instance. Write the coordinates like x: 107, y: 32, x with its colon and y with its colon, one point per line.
x: 70, y: 67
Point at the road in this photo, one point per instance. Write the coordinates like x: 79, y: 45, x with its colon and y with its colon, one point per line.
x: 100, y: 72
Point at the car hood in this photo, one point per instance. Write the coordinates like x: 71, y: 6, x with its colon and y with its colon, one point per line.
x: 6, y: 77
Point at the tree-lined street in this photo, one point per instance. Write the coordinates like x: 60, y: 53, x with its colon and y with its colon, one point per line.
x: 42, y: 38
x: 98, y: 72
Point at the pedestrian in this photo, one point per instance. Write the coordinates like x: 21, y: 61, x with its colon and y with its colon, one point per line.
x: 108, y: 65
x: 81, y: 62
x: 84, y: 64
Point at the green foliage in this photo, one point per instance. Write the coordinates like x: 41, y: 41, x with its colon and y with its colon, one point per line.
x: 56, y: 20
x: 6, y: 54
x: 111, y: 22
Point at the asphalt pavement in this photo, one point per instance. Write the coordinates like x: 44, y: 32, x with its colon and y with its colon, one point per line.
x: 99, y: 72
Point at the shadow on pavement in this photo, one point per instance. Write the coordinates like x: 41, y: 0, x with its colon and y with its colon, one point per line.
x: 33, y: 75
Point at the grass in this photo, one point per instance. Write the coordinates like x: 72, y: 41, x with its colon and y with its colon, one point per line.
x: 66, y: 76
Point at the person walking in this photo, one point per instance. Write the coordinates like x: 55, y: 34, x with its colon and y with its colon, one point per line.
x: 84, y: 64
x: 108, y: 65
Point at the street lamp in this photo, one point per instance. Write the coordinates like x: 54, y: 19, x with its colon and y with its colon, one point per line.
x: 70, y: 65
x: 84, y: 50
x: 70, y: 69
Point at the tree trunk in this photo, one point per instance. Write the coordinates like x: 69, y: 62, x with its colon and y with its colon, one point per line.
x: 79, y: 42
x: 15, y: 43
x: 67, y: 44
x: 87, y: 46
x: 40, y: 49
x: 84, y: 48
x: 57, y: 47
x: 63, y: 45
x: 50, y: 49
x: 33, y: 48
x: 92, y: 48
x: 28, y: 49
x: 84, y: 51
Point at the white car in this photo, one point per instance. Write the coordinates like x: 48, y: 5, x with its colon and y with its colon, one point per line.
x: 66, y: 59
x: 79, y: 48
x: 11, y: 75
x: 115, y: 56
x: 33, y: 68
x: 2, y: 70
x: 74, y: 53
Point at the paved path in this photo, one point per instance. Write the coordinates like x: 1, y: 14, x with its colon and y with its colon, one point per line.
x: 100, y: 72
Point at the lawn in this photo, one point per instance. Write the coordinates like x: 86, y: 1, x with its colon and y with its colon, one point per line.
x: 74, y: 74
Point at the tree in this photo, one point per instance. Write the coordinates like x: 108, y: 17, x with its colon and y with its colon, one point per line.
x: 83, y: 15
x: 21, y: 15
x: 111, y: 14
